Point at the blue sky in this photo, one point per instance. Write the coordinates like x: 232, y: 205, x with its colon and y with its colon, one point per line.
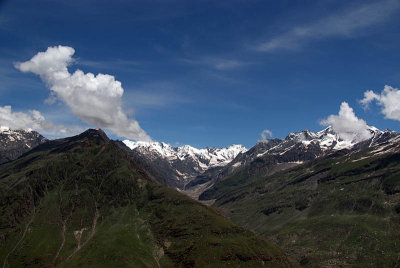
x: 210, y: 73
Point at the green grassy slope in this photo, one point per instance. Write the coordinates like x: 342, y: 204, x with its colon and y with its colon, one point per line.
x: 82, y: 202
x: 340, y: 210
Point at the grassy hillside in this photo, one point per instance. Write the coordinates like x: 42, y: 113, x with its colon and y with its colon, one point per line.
x: 341, y: 210
x: 82, y: 202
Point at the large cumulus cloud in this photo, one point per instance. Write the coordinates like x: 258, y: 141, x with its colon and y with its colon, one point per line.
x: 96, y: 99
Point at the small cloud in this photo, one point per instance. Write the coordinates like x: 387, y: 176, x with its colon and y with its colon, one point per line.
x: 96, y: 99
x: 347, y: 125
x: 388, y: 99
x: 342, y: 24
x: 265, y: 134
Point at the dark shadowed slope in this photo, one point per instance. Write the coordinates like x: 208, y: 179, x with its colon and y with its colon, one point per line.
x: 81, y: 201
x: 340, y: 210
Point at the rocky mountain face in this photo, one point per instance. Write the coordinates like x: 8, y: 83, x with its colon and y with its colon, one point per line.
x: 14, y: 143
x: 84, y: 202
x: 274, y: 155
x: 177, y: 166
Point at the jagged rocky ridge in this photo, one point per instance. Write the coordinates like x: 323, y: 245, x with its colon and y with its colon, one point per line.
x: 14, y: 143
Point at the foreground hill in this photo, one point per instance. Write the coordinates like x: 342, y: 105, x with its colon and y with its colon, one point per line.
x: 82, y: 201
x: 339, y: 210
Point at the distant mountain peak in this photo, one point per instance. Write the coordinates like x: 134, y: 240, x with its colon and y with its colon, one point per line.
x: 208, y: 157
x: 8, y: 130
x: 329, y: 139
x: 13, y: 143
x: 179, y: 165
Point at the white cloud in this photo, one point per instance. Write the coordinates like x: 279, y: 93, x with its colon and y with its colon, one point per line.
x: 265, y: 134
x: 343, y: 24
x: 347, y: 125
x: 33, y: 120
x: 96, y: 99
x: 388, y: 99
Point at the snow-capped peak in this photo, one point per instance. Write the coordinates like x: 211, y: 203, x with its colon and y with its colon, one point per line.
x: 19, y: 134
x: 8, y: 130
x: 13, y: 143
x: 328, y: 138
x: 159, y: 147
x: 206, y: 158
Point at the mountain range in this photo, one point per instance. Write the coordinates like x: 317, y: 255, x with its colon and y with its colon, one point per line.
x: 300, y: 192
x: 193, y: 170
